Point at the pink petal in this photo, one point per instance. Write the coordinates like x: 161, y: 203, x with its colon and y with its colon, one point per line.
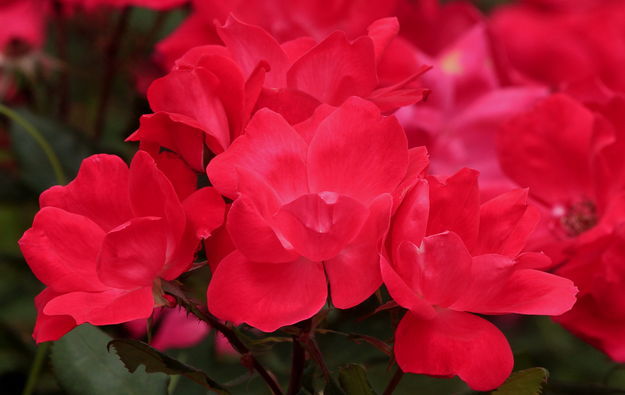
x: 133, y: 254
x: 193, y: 32
x: 61, y: 249
x: 103, y: 308
x: 336, y: 69
x: 153, y: 195
x: 193, y: 93
x: 99, y: 192
x: 418, y: 161
x: 177, y: 171
x: 506, y: 222
x: 296, y: 48
x: 294, y: 105
x: 250, y: 45
x: 497, y: 287
x: 252, y: 234
x: 178, y: 133
x: 357, y: 152
x: 50, y: 327
x: 178, y: 329
x: 589, y: 322
x: 205, y: 210
x: 454, y: 344
x: 403, y: 293
x: 547, y: 148
x: 411, y: 218
x: 382, y: 32
x: 267, y: 296
x: 455, y: 205
x: 270, y: 148
x: 354, y: 274
x: 253, y: 89
x: 320, y: 225
x: 437, y: 269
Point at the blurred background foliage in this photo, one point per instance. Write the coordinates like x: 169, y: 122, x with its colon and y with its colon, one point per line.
x: 69, y: 114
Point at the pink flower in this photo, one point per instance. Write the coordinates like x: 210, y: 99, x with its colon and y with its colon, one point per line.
x: 471, y: 99
x: 449, y: 257
x: 175, y: 329
x: 313, y: 203
x: 103, y: 243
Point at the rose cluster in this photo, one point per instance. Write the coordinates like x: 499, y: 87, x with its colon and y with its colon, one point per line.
x: 343, y: 156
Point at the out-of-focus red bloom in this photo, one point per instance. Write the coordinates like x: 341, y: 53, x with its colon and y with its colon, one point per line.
x: 254, y: 71
x: 313, y: 203
x: 153, y: 4
x: 174, y: 329
x: 432, y: 26
x: 449, y: 256
x: 23, y: 25
x: 585, y: 41
x: 283, y: 19
x: 570, y: 156
x: 470, y: 100
x: 103, y: 243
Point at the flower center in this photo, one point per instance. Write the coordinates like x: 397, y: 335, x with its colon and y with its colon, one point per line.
x: 579, y: 217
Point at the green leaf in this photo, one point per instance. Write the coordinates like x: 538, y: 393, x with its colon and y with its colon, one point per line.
x: 135, y: 353
x: 35, y: 168
x: 83, y: 366
x: 524, y: 382
x: 353, y: 380
x: 333, y: 388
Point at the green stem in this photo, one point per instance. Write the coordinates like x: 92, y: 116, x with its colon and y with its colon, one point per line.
x: 35, y: 369
x: 39, y: 139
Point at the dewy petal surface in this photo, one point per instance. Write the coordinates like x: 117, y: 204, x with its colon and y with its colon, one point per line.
x: 267, y: 296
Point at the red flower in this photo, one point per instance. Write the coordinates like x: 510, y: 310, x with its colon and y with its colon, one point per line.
x: 23, y: 23
x: 571, y: 158
x: 103, y: 243
x: 585, y: 41
x: 283, y: 19
x: 313, y: 203
x: 254, y: 71
x: 205, y: 99
x: 152, y: 4
x: 451, y: 256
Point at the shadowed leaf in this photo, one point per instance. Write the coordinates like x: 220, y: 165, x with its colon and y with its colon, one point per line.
x: 134, y: 353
